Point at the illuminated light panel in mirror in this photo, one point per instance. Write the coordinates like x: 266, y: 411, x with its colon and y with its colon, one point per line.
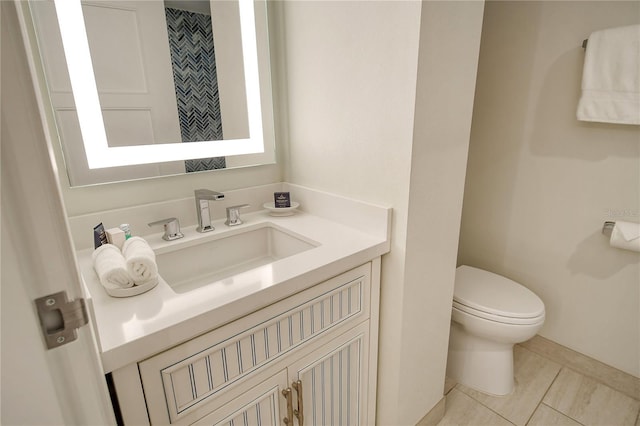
x: 85, y: 93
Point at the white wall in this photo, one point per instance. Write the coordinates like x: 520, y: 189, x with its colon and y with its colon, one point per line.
x: 351, y: 82
x: 367, y: 120
x: 540, y: 184
x: 448, y: 59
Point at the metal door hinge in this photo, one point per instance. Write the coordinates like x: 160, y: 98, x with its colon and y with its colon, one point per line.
x: 60, y: 318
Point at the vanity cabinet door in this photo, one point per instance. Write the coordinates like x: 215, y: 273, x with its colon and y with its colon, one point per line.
x: 260, y: 405
x: 191, y: 380
x: 335, y: 381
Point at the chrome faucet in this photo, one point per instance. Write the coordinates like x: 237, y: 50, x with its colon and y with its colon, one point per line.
x: 203, y: 196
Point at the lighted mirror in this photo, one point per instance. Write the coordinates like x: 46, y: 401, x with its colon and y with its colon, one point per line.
x: 148, y: 88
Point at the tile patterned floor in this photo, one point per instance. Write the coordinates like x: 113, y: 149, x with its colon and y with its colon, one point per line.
x: 547, y: 393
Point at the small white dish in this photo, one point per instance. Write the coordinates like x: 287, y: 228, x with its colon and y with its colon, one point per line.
x: 131, y: 291
x: 281, y: 211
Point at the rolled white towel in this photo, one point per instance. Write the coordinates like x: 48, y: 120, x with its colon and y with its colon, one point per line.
x: 111, y: 267
x: 140, y: 260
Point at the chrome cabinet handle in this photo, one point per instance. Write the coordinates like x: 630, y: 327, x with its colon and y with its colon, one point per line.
x: 289, y: 419
x: 299, y: 413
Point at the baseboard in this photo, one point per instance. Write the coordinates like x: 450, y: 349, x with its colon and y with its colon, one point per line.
x: 434, y: 416
x: 607, y: 375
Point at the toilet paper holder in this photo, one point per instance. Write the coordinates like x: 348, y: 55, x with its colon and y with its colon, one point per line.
x: 607, y: 228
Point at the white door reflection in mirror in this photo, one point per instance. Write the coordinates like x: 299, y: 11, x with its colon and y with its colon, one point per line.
x: 133, y: 74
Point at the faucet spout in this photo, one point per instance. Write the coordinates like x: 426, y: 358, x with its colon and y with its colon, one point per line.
x: 207, y: 194
x: 203, y: 196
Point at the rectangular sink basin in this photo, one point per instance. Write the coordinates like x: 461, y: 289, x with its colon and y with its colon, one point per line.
x: 194, y: 266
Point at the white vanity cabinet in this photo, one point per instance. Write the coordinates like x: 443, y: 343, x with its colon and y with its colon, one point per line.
x: 319, y: 344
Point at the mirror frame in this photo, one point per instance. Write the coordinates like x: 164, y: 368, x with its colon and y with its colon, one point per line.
x: 85, y: 93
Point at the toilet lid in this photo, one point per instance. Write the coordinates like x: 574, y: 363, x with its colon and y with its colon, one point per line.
x: 494, y: 294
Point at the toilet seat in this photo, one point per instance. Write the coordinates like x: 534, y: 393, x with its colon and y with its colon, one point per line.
x: 495, y: 298
x: 498, y: 318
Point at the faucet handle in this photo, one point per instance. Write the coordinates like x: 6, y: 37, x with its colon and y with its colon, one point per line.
x: 233, y: 215
x: 171, y: 228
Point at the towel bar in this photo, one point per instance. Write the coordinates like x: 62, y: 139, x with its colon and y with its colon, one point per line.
x: 607, y: 228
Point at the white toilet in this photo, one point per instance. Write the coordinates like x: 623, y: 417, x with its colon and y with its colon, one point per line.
x: 490, y: 314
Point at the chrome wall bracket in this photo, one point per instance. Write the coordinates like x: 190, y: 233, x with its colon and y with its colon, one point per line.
x: 60, y: 318
x: 607, y: 228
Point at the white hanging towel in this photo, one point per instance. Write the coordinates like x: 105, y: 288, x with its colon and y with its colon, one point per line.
x: 611, y: 77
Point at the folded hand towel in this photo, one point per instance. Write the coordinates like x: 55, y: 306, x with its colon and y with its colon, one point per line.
x: 610, y: 83
x: 111, y: 267
x: 140, y: 260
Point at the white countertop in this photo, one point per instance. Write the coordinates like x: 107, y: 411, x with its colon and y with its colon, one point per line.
x: 134, y: 328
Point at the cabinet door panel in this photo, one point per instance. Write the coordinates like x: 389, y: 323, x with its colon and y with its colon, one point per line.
x: 334, y: 380
x: 262, y: 405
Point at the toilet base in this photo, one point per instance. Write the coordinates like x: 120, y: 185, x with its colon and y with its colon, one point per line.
x: 478, y: 363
